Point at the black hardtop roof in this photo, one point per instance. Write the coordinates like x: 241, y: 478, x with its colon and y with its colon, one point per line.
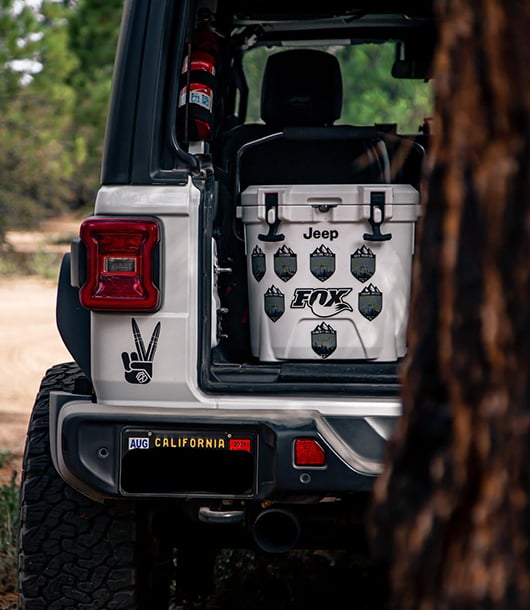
x: 276, y: 21
x: 289, y: 9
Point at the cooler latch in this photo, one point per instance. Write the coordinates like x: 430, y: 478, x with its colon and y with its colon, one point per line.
x: 271, y: 218
x: 377, y: 216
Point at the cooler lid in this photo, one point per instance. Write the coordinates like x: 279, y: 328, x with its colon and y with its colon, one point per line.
x: 343, y: 202
x: 329, y: 194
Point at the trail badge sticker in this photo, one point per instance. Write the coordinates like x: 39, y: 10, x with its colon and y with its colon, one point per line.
x: 324, y: 340
x: 322, y: 263
x: 362, y: 264
x: 258, y: 264
x: 138, y: 365
x: 285, y: 264
x: 370, y: 302
x: 274, y: 302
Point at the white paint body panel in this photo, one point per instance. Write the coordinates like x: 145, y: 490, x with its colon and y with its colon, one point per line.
x: 174, y: 382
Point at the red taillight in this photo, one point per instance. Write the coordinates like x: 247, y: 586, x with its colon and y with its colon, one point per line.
x: 308, y: 452
x: 120, y: 264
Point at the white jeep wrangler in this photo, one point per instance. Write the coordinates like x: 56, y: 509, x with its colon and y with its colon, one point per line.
x: 236, y: 307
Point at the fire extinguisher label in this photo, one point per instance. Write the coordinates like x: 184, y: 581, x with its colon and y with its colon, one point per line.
x: 201, y: 96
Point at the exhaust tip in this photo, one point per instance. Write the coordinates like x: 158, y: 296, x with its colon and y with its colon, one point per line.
x: 276, y: 530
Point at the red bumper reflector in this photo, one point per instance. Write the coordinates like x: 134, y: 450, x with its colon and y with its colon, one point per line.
x: 308, y: 452
x: 120, y: 269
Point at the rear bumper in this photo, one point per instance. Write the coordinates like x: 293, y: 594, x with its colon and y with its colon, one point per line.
x: 111, y: 451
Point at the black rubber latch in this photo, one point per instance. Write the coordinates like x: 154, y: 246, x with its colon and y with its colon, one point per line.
x: 377, y: 216
x: 271, y: 218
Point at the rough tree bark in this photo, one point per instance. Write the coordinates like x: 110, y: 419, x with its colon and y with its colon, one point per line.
x: 451, y: 511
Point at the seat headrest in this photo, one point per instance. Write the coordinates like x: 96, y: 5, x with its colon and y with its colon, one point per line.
x: 301, y: 87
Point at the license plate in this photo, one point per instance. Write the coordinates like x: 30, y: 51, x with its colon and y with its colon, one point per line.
x: 195, y: 440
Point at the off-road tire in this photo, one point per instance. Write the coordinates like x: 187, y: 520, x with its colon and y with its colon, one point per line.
x: 75, y: 553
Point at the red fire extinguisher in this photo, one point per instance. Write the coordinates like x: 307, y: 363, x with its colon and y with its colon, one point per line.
x: 195, y: 104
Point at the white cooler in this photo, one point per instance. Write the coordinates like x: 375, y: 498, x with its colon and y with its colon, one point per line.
x: 329, y: 270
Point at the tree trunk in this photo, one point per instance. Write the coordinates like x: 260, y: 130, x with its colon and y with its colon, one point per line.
x: 451, y: 511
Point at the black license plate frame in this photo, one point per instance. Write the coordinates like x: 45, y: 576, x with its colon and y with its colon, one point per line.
x: 189, y: 439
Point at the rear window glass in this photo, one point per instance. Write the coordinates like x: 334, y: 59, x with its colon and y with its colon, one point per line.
x: 371, y: 95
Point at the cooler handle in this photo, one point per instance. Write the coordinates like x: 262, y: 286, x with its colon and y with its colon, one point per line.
x: 377, y: 216
x: 271, y: 218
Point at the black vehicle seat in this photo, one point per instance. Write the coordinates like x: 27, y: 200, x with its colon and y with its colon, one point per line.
x: 300, y: 87
x: 298, y: 142
x: 407, y: 155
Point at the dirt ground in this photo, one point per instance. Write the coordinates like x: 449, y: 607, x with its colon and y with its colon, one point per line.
x: 29, y: 345
x: 29, y: 340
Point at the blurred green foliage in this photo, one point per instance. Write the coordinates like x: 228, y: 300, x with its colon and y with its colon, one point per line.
x: 56, y: 62
x: 8, y: 530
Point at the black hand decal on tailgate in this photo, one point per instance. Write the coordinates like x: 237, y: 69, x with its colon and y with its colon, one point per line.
x: 138, y: 365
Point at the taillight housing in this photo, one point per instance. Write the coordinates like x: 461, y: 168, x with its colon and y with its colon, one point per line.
x: 121, y: 270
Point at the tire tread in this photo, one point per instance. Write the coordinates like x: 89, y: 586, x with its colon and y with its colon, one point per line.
x: 73, y: 551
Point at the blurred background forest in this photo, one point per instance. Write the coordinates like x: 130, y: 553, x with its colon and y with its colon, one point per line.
x: 56, y: 61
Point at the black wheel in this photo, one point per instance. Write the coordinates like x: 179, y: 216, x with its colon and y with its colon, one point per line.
x: 75, y: 552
